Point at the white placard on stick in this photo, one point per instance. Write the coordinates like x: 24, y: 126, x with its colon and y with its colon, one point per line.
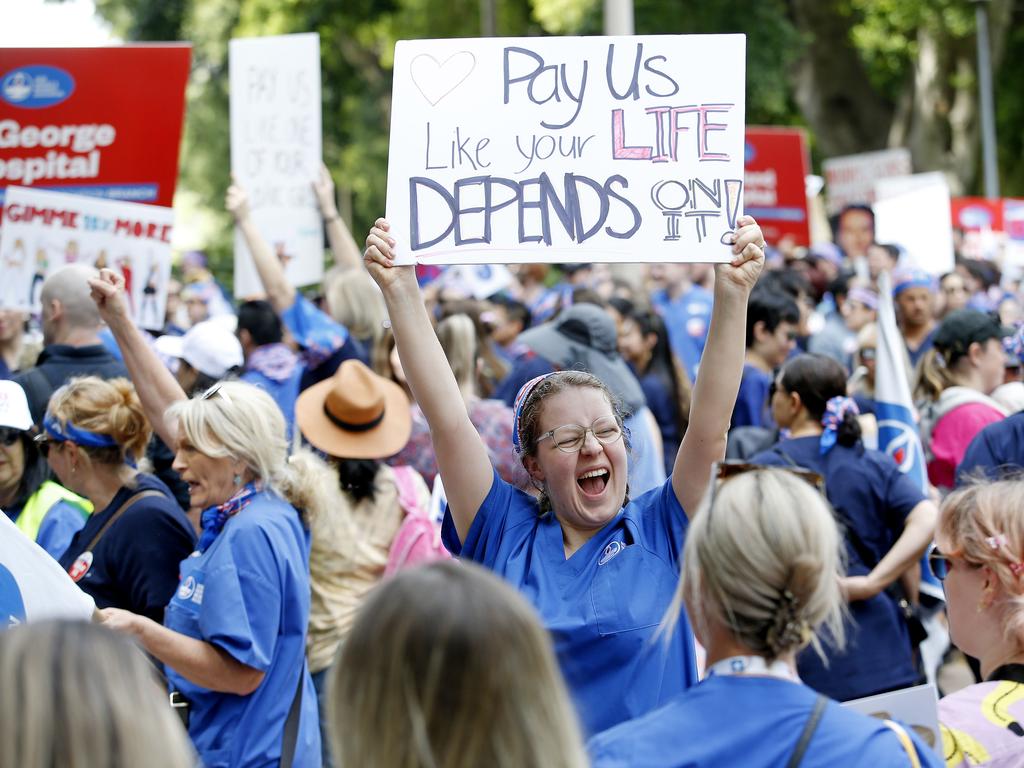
x: 850, y: 179
x: 562, y: 149
x: 276, y: 152
x: 44, y: 231
x: 914, y: 212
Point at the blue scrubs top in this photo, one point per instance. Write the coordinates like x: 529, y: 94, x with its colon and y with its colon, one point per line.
x: 751, y: 409
x: 604, y: 604
x: 687, y: 319
x: 874, y: 498
x: 754, y: 722
x: 248, y: 594
x: 997, y: 451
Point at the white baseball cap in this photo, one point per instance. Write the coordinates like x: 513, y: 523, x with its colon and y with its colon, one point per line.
x: 14, y: 407
x: 208, y: 347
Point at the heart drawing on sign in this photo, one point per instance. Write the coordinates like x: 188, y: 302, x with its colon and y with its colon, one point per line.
x: 436, y: 80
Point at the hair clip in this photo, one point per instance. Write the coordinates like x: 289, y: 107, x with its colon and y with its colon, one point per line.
x: 997, y: 541
x: 1017, y: 569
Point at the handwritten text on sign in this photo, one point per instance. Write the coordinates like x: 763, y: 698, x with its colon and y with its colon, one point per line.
x: 276, y: 150
x: 567, y: 149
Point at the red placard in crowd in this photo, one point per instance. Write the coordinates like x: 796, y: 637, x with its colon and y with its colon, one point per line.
x: 96, y: 121
x: 775, y: 191
x: 973, y: 214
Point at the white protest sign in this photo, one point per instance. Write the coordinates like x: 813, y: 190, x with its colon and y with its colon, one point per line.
x: 33, y: 586
x: 917, y: 707
x: 850, y: 179
x: 914, y: 212
x: 44, y: 231
x: 562, y: 149
x: 276, y: 152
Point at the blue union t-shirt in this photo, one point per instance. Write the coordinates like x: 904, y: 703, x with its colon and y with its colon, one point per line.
x: 604, y: 604
x: 753, y: 722
x: 248, y: 594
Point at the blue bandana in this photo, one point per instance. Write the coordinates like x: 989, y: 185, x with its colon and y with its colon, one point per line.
x: 70, y: 433
x: 213, y: 518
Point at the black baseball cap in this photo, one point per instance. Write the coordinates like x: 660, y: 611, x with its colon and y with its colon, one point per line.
x: 964, y: 327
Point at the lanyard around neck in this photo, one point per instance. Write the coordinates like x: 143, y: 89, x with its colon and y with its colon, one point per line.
x: 752, y: 665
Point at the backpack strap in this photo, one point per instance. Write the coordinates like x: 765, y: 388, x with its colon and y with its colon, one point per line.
x: 805, y: 737
x: 406, y: 487
x: 291, y: 725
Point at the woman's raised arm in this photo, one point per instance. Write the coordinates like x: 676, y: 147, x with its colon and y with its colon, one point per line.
x: 461, y: 455
x: 156, y: 386
x: 721, y: 366
x: 280, y: 293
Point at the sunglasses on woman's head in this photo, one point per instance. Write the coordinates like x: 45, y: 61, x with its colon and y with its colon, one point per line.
x: 216, y: 389
x: 723, y: 471
x: 9, y: 435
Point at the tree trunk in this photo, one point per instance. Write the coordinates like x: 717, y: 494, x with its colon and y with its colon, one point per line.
x: 831, y: 85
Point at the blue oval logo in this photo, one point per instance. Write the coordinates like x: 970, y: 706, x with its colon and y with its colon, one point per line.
x: 749, y: 152
x: 36, y: 86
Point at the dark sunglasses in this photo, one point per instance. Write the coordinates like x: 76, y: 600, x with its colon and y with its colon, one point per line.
x: 43, y: 443
x: 9, y: 435
x: 939, y: 563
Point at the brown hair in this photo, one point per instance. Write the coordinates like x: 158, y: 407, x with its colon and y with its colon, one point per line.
x: 455, y: 667
x: 528, y: 415
x: 983, y: 521
x: 76, y: 694
x: 107, y: 407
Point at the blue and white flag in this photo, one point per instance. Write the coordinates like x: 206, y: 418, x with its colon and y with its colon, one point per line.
x: 898, y: 435
x: 33, y: 586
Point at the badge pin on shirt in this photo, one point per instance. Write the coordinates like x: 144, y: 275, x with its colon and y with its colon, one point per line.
x: 611, y: 551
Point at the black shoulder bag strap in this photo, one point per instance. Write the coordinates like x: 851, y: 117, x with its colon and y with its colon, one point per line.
x: 805, y: 738
x: 291, y: 725
x: 117, y: 515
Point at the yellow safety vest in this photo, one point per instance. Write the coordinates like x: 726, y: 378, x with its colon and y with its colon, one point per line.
x: 40, y: 502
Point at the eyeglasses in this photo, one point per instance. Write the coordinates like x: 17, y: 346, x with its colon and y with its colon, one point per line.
x: 9, y: 435
x: 723, y: 471
x: 43, y: 442
x: 867, y: 353
x: 570, y: 438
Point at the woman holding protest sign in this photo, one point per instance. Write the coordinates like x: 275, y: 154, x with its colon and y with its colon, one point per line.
x: 234, y: 637
x: 600, y: 568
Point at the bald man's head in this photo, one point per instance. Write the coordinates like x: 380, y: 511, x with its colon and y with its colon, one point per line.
x: 68, y: 308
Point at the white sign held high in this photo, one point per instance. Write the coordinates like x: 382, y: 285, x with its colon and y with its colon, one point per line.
x: 44, y: 231
x: 276, y: 151
x: 614, y: 149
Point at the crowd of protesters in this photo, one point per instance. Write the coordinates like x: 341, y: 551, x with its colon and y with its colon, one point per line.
x: 253, y: 496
